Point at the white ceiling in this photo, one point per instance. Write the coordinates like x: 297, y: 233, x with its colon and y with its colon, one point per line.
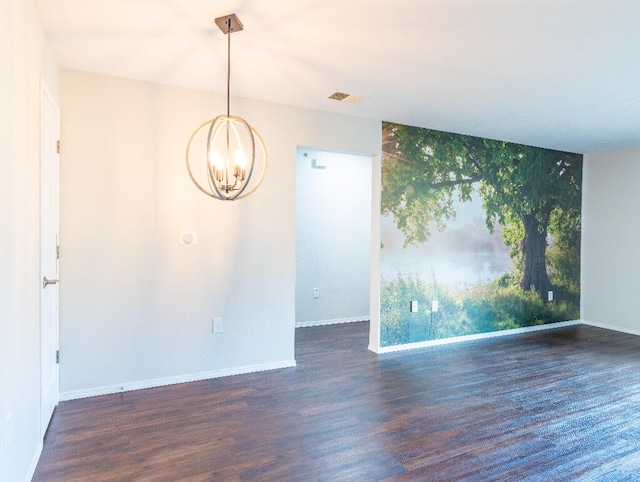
x: 563, y: 74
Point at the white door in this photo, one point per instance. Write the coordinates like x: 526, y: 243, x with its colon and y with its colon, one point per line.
x: 49, y: 214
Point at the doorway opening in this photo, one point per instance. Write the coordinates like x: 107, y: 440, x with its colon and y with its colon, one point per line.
x: 333, y: 237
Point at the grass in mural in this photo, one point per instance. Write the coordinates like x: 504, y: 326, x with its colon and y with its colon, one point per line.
x: 498, y: 305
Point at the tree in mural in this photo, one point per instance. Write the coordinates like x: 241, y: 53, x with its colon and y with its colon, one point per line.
x: 526, y: 190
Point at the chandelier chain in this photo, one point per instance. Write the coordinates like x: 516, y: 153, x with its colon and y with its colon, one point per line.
x: 228, y: 63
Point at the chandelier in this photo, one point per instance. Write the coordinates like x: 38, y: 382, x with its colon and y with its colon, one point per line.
x: 226, y: 162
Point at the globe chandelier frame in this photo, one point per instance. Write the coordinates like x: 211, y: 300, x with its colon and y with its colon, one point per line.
x: 228, y: 179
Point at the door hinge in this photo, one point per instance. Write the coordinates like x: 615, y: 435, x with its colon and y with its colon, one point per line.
x: 57, y: 252
x: 57, y: 356
x: 57, y: 147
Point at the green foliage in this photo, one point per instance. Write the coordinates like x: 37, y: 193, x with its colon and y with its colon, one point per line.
x: 424, y: 170
x: 564, y: 254
x: 400, y: 326
x: 419, y: 178
x: 512, y: 235
x: 480, y: 308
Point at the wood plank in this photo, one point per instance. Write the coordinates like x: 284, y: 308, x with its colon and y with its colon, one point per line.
x: 559, y: 404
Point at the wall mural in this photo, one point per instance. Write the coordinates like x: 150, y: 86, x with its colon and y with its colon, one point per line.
x: 483, y: 234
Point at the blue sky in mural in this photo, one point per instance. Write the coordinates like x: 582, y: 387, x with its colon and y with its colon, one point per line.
x: 466, y: 252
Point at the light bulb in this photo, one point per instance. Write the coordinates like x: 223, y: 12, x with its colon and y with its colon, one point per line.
x: 217, y: 162
x: 240, y: 158
x: 241, y: 161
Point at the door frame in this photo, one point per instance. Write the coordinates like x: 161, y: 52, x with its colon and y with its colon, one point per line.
x: 374, y: 286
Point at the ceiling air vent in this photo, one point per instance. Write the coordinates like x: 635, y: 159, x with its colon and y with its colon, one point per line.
x: 338, y: 96
x: 348, y: 98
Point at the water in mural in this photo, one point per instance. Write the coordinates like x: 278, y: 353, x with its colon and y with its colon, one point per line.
x: 483, y: 234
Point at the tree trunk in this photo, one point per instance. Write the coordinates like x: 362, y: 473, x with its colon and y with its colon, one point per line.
x: 534, y: 244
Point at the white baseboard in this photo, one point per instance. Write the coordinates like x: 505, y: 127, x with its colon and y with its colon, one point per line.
x: 337, y: 321
x: 607, y: 326
x: 479, y: 336
x: 160, y: 382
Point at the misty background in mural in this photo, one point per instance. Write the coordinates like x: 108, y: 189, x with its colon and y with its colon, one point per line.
x: 483, y: 234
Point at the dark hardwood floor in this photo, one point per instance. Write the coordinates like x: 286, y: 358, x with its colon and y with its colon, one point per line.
x: 561, y: 404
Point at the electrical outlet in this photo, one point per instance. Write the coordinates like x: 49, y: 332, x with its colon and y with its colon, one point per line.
x: 549, y: 295
x: 316, y: 292
x: 413, y: 307
x: 216, y: 325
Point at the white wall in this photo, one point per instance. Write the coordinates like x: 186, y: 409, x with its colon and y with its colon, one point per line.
x: 374, y: 290
x: 24, y: 58
x: 135, y: 306
x: 610, y: 230
x: 333, y: 237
